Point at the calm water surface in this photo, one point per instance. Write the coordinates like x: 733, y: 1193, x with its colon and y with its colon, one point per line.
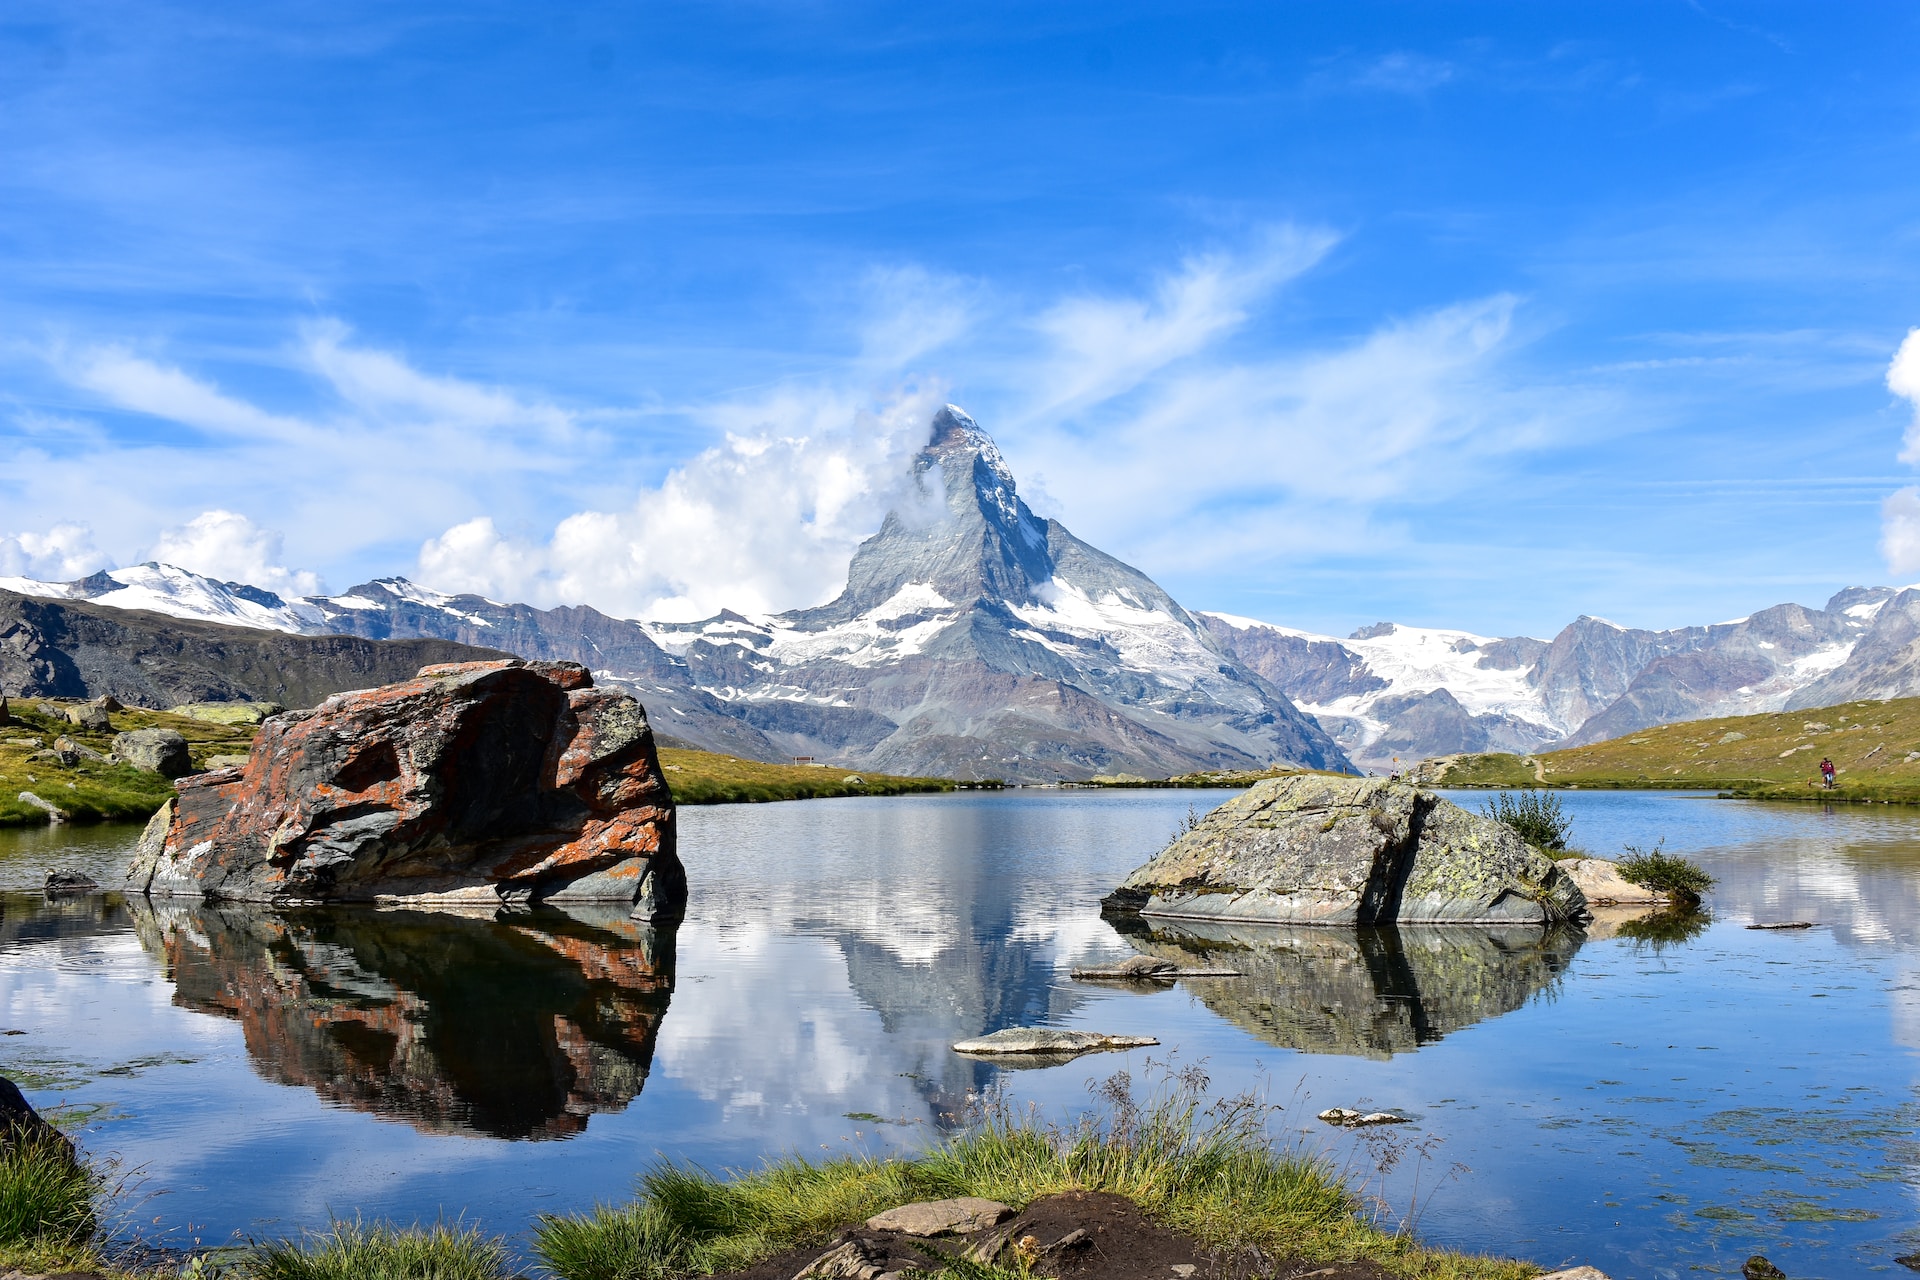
x: 1655, y: 1108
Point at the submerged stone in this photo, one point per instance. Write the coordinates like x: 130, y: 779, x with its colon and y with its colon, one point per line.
x: 1314, y: 849
x: 1050, y: 1042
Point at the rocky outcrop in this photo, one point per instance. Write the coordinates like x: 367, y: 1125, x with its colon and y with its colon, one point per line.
x: 474, y: 782
x: 1602, y: 884
x: 1312, y: 849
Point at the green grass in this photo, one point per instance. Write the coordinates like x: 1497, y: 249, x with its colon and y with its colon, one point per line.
x: 47, y: 1209
x: 1236, y: 778
x: 1774, y: 756
x: 1681, y: 879
x: 704, y: 777
x: 1534, y: 816
x: 1208, y: 1169
x: 354, y: 1251
x: 91, y: 791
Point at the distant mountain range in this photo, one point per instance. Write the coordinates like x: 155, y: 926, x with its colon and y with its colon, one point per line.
x: 975, y: 639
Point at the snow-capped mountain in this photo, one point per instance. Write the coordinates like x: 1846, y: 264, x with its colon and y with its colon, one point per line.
x: 1391, y: 691
x: 975, y: 639
x: 163, y: 588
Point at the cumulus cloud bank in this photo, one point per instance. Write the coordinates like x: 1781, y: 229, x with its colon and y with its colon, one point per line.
x: 228, y: 546
x: 1900, y: 514
x: 61, y: 554
x: 1148, y: 426
x: 763, y: 521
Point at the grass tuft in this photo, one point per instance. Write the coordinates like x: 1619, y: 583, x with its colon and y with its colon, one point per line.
x: 1210, y: 1169
x: 1535, y: 817
x: 1681, y: 879
x: 355, y: 1251
x: 47, y: 1207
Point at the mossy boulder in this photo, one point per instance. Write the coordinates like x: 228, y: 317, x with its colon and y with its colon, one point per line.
x: 1316, y: 849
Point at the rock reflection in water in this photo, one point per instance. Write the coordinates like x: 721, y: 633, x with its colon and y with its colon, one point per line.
x: 515, y: 1025
x: 1365, y: 992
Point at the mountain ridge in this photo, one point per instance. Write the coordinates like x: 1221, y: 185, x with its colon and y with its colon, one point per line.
x: 974, y: 638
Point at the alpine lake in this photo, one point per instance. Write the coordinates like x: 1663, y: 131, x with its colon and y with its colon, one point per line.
x: 1653, y: 1101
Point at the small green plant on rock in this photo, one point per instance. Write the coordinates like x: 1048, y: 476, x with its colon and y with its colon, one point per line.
x: 1535, y: 817
x: 1680, y: 878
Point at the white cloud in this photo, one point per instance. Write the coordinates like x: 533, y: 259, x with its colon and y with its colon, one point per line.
x: 144, y: 386
x: 1155, y: 431
x: 1900, y: 513
x: 228, y: 546
x: 1244, y: 459
x: 61, y: 554
x: 1104, y: 347
x: 1900, y: 531
x: 1903, y: 379
x: 385, y: 388
x: 765, y: 520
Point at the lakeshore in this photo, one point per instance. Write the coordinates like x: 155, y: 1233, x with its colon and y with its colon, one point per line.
x: 834, y: 952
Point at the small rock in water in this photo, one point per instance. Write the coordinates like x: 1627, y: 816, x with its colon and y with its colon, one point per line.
x: 60, y: 882
x: 1783, y: 924
x: 1046, y: 1040
x: 1348, y: 1118
x: 1575, y: 1273
x: 1911, y: 1261
x: 1758, y: 1268
x: 960, y: 1216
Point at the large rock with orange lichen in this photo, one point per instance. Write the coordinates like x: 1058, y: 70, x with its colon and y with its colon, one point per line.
x: 473, y: 782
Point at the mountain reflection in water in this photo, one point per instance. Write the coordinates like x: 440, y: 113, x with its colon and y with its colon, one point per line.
x: 515, y: 1024
x: 1365, y: 992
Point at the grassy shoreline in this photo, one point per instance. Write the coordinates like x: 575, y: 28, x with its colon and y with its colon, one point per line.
x: 1208, y: 1169
x: 1875, y: 747
x: 94, y: 791
x: 703, y: 777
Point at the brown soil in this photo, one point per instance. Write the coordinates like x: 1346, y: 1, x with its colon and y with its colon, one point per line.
x: 1117, y: 1242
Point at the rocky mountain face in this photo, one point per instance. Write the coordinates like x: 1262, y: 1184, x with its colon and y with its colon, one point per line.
x: 976, y: 640
x: 973, y: 640
x: 64, y: 649
x: 1392, y: 694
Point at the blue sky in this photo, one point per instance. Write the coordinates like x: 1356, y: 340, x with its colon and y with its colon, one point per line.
x: 1478, y: 315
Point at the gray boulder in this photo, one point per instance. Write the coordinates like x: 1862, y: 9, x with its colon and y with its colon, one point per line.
x: 160, y: 751
x: 72, y: 753
x: 91, y: 717
x: 1313, y: 849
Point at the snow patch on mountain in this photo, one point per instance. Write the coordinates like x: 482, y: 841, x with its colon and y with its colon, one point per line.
x: 1420, y: 660
x: 178, y: 593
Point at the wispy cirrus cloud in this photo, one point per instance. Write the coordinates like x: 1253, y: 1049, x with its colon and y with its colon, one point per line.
x: 1117, y: 403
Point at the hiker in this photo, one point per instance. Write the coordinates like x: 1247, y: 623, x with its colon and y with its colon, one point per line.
x: 1826, y: 772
